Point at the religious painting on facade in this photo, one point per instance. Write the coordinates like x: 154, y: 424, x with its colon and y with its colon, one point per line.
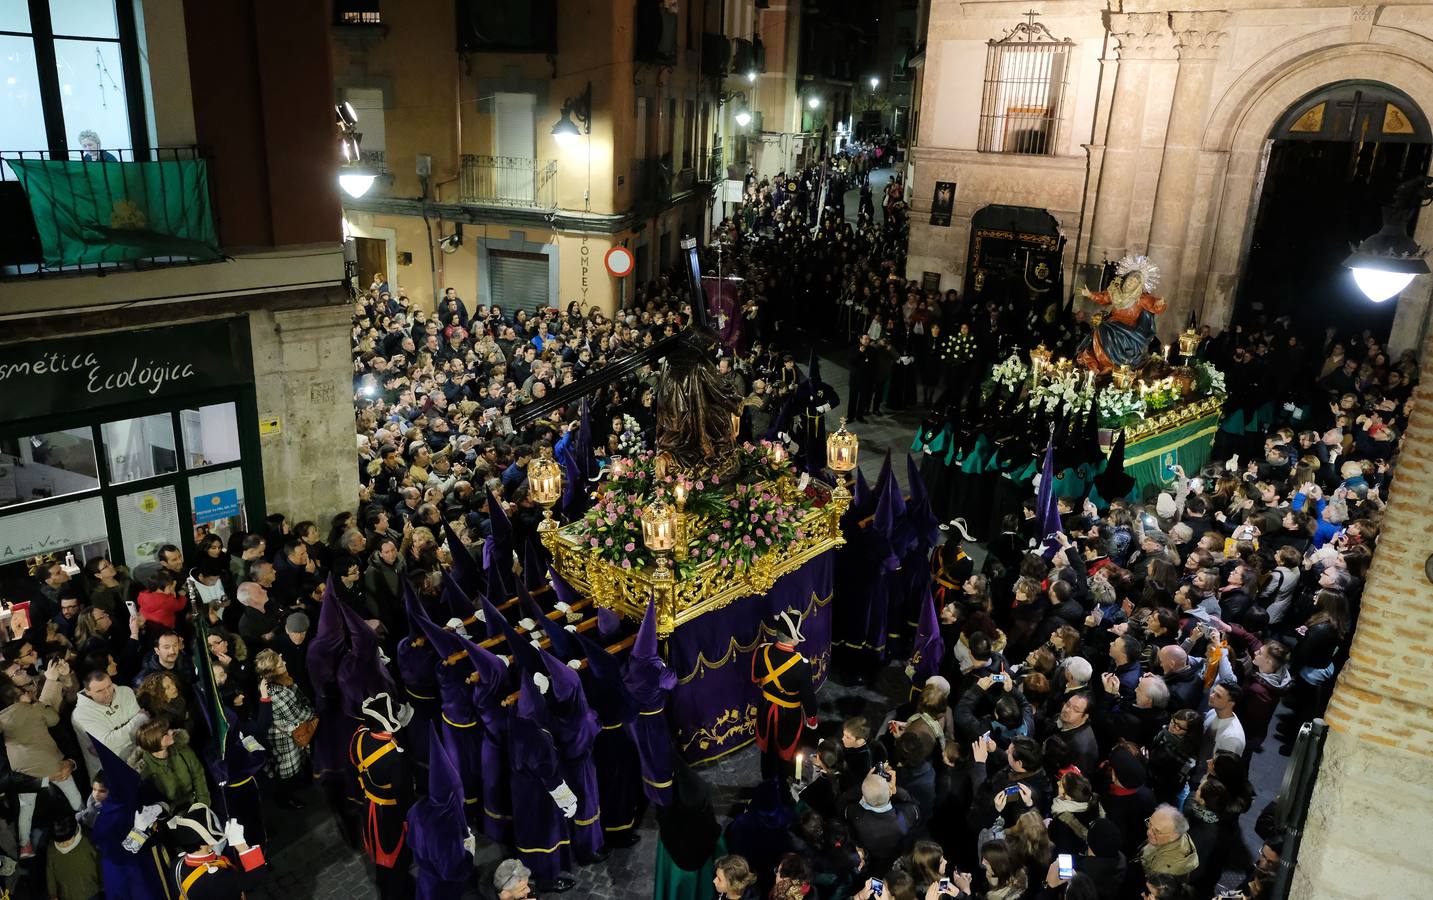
x: 942, y: 204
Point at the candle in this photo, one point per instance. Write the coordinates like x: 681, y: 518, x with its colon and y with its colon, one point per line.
x: 1166, y: 351
x: 680, y: 492
x: 799, y: 758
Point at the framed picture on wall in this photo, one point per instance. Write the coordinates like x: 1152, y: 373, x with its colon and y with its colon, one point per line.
x: 942, y: 203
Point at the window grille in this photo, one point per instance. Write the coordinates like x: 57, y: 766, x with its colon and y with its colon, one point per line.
x: 357, y: 12
x: 1023, y: 103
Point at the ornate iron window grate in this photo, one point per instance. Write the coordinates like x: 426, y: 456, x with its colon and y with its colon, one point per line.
x: 1025, y: 77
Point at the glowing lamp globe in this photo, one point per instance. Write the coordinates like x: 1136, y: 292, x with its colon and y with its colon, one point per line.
x: 1378, y: 284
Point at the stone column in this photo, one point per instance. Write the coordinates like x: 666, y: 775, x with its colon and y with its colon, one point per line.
x: 1141, y: 37
x: 1197, y: 36
x: 303, y: 375
x: 1367, y: 833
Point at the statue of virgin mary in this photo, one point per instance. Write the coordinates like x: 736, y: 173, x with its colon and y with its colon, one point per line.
x: 1122, y: 336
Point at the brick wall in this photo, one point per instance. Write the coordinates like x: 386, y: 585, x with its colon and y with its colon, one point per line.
x: 1367, y: 833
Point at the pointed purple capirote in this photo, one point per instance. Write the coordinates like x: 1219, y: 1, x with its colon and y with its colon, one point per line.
x: 437, y: 827
x: 464, y: 567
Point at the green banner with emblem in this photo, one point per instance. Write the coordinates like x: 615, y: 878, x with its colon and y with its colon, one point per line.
x: 106, y: 212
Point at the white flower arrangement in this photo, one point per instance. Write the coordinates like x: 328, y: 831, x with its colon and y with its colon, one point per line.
x: 1011, y: 373
x: 1213, y: 376
x: 1115, y: 404
x: 629, y: 442
x: 1066, y: 390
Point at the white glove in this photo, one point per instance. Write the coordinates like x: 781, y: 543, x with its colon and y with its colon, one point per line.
x: 470, y: 844
x: 527, y: 624
x: 824, y: 408
x: 564, y: 798
x: 481, y: 615
x: 561, y: 607
x: 143, y: 820
x: 575, y: 665
x: 507, y: 660
x: 234, y: 833
x: 541, y: 681
x: 571, y: 628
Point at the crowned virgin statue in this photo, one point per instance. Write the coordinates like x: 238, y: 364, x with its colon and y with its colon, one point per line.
x: 1121, y: 337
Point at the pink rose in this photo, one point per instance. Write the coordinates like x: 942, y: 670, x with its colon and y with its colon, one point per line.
x: 629, y: 547
x: 594, y: 542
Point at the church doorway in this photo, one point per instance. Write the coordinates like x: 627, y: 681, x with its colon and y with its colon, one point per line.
x: 1335, y: 158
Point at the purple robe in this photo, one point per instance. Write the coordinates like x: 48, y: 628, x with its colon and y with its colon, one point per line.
x: 619, y: 769
x: 487, y: 692
x: 574, y: 728
x: 437, y: 828
x: 542, y: 835
x: 459, y: 718
x: 649, y: 680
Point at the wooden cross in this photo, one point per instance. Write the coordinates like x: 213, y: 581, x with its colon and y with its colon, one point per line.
x: 1355, y: 105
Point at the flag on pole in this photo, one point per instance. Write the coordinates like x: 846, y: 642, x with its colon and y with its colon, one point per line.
x: 1047, y: 510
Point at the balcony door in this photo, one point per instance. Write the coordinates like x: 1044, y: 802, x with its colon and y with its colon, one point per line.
x: 515, y: 148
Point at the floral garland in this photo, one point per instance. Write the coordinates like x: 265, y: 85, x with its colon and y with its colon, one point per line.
x: 740, y: 522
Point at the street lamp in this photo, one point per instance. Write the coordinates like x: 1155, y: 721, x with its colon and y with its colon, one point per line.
x: 875, y: 82
x: 580, y: 108
x: 1387, y: 261
x: 813, y: 102
x: 354, y: 177
x: 742, y: 117
x: 751, y: 77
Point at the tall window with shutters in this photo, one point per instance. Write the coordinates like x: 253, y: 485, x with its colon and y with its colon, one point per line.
x: 1025, y: 77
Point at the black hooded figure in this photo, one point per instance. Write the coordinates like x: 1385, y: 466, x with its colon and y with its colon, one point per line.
x: 814, y: 398
x: 1114, y: 482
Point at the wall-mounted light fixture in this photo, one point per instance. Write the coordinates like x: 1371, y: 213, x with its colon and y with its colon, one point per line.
x: 353, y: 176
x: 579, y: 108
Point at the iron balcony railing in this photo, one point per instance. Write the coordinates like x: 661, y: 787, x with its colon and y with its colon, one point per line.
x: 159, y: 208
x: 508, y: 181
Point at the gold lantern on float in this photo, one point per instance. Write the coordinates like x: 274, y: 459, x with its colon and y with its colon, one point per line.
x: 679, y: 493
x: 1122, y: 377
x: 1039, y: 359
x: 842, y: 451
x: 1188, y: 342
x: 659, y: 534
x: 544, y: 485
x: 778, y: 452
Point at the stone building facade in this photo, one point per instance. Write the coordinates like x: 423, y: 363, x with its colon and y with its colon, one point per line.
x: 1158, y: 134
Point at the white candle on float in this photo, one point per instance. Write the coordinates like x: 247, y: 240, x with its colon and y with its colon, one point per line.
x: 799, y: 760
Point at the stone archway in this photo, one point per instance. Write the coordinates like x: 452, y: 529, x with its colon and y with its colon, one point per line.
x: 1237, y: 136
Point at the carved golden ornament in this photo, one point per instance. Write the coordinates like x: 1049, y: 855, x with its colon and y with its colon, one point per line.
x: 1171, y: 419
x: 695, y: 589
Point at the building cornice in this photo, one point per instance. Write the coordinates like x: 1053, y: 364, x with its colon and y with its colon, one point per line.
x: 566, y: 220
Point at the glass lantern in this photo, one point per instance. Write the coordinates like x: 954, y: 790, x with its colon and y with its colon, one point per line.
x: 1123, y: 377
x: 659, y: 533
x: 544, y: 483
x: 842, y: 449
x: 1188, y: 342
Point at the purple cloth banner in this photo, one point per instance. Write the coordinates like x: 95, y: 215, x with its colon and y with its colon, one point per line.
x: 724, y: 310
x: 713, y: 708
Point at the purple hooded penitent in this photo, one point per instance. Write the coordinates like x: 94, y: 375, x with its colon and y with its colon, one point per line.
x: 650, y: 680
x: 438, y: 827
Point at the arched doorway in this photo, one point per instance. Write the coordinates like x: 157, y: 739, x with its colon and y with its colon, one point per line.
x: 1333, y: 159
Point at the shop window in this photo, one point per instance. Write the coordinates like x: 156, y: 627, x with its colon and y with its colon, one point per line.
x: 41, y: 466
x: 217, y: 499
x: 140, y: 448
x: 211, y: 435
x: 148, y: 519
x: 77, y: 527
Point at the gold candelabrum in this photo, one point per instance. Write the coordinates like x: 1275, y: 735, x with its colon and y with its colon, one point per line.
x: 682, y: 587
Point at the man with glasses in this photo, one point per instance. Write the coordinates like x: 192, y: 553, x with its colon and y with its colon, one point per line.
x: 1168, y: 849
